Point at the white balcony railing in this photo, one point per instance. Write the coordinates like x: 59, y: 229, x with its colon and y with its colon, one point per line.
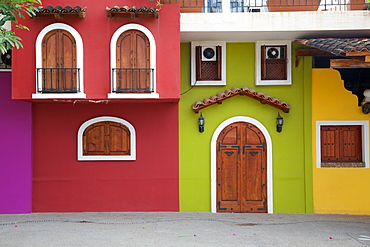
x: 251, y: 6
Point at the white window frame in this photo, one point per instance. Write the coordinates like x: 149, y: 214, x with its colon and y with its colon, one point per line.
x: 79, y: 54
x: 86, y: 124
x: 365, y: 140
x: 194, y: 81
x: 153, y: 62
x: 261, y: 82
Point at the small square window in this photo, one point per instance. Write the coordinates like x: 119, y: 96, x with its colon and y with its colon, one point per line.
x: 341, y: 145
x: 273, y: 63
x: 208, y: 63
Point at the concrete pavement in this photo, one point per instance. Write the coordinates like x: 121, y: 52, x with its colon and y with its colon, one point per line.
x: 183, y: 229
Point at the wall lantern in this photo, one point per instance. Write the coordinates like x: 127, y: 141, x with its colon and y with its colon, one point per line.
x: 201, y: 123
x: 279, y: 123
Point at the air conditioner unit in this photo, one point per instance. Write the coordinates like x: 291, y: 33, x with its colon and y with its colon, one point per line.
x: 275, y: 52
x: 209, y: 53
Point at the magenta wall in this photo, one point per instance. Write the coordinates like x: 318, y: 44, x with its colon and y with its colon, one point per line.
x: 15, y: 146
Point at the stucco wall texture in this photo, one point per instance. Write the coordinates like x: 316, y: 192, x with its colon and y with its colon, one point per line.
x: 15, y: 146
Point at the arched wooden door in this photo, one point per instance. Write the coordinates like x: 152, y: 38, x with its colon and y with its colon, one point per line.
x: 59, y: 62
x: 241, y: 169
x: 133, y: 62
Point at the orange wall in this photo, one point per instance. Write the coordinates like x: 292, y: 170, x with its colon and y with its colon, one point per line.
x: 337, y: 190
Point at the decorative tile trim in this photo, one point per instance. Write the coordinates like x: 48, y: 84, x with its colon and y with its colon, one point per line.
x: 343, y: 164
x: 250, y: 92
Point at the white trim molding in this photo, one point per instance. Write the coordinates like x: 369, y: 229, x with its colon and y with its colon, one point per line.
x: 79, y: 51
x: 153, y: 62
x: 214, y: 159
x: 259, y: 81
x: 82, y: 128
x: 365, y: 140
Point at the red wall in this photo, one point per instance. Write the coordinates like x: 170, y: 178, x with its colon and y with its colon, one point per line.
x: 96, y: 31
x: 63, y: 184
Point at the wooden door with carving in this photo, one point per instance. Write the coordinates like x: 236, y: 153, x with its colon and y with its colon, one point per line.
x: 241, y: 169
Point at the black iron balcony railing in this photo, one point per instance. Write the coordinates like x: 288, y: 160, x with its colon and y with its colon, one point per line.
x: 58, y: 80
x: 132, y: 80
x: 237, y: 6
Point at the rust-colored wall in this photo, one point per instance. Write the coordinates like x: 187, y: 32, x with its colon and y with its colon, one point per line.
x: 63, y: 184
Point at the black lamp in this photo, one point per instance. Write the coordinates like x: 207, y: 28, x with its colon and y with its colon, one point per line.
x: 279, y: 123
x: 201, y: 123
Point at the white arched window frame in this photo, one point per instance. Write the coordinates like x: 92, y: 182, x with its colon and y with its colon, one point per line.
x: 86, y: 124
x: 79, y: 51
x: 217, y: 132
x: 153, y: 63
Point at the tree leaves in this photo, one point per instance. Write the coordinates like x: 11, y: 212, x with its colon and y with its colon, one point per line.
x: 11, y: 10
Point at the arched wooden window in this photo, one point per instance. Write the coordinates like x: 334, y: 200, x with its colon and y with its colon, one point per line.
x: 59, y: 63
x: 133, y: 72
x: 106, y: 138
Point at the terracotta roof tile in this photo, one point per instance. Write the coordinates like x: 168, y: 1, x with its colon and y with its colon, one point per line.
x: 338, y: 46
x: 61, y: 11
x: 134, y: 11
x: 250, y: 92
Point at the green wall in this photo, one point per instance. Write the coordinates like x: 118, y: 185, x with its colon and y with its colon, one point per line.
x: 291, y: 149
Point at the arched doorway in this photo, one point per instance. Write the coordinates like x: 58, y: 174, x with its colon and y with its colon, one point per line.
x: 241, y: 167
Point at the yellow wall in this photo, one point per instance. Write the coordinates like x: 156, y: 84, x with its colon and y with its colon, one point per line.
x: 337, y: 190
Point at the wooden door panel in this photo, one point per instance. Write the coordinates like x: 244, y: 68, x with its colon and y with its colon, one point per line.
x: 59, y: 62
x: 228, y: 175
x: 133, y: 56
x: 241, y: 169
x: 230, y: 136
x: 254, y: 181
x: 142, y: 50
x: 252, y: 176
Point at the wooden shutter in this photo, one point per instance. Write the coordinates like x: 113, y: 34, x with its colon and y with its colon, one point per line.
x: 94, y: 139
x: 133, y: 57
x: 59, y: 54
x: 106, y: 138
x: 341, y: 143
x: 198, y: 62
x: 119, y: 139
x: 219, y: 63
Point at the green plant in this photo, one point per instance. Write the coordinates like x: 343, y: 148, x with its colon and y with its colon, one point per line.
x: 11, y: 10
x: 159, y: 4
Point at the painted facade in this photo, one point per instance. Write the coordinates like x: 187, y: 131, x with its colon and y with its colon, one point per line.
x: 61, y: 182
x: 175, y: 167
x: 337, y: 190
x: 290, y: 172
x: 15, y: 168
